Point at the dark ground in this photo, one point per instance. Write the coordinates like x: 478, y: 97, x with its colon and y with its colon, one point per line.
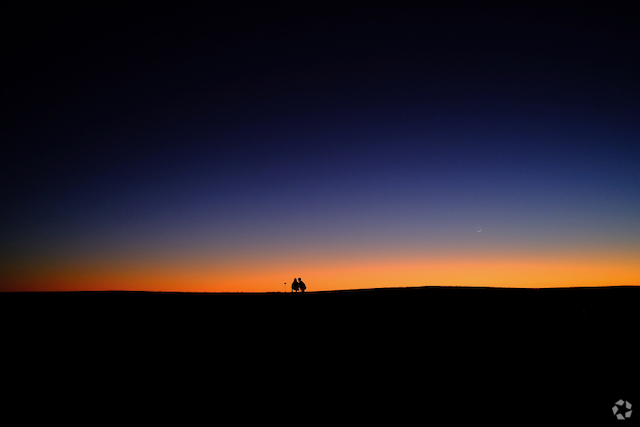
x: 387, y: 355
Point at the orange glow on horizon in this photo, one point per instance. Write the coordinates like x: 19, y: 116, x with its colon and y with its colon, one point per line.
x: 329, y: 274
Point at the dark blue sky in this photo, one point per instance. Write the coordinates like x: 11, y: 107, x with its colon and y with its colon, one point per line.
x: 235, y: 129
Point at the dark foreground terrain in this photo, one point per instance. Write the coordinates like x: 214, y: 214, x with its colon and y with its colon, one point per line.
x: 392, y: 356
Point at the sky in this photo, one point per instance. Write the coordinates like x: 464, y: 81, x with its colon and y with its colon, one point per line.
x: 231, y: 147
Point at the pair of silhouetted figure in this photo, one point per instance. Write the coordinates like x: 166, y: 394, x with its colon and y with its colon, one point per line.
x: 298, y: 284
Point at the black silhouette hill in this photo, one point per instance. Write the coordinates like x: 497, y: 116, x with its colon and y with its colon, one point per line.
x: 385, y: 355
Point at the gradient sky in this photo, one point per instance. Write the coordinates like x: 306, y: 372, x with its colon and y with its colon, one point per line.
x: 234, y: 147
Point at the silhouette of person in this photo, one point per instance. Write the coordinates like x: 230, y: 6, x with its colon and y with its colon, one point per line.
x: 301, y: 284
x: 294, y: 286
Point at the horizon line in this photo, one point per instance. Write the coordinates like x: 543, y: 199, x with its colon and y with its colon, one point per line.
x: 313, y: 292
